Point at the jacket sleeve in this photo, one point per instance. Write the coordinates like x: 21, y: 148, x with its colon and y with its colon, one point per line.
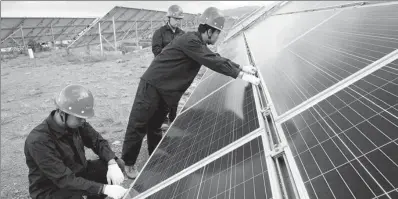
x: 157, y: 42
x: 49, y: 160
x: 203, y: 55
x: 93, y: 140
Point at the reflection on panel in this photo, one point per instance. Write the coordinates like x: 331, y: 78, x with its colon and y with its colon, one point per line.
x: 326, y: 55
x: 220, y: 119
x: 346, y: 145
x: 241, y: 174
x: 296, y: 6
x: 235, y: 50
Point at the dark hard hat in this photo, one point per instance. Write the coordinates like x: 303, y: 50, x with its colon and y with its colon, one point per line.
x: 76, y: 100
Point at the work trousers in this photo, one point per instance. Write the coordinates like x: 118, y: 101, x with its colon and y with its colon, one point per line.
x: 96, y: 171
x: 147, y: 115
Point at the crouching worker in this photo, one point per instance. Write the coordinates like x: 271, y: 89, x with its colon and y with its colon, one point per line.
x: 55, y: 154
x: 167, y: 78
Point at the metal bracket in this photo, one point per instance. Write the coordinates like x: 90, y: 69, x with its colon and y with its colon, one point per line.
x: 279, y: 150
x: 266, y: 111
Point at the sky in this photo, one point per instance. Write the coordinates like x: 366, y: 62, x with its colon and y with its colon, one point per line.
x: 100, y: 8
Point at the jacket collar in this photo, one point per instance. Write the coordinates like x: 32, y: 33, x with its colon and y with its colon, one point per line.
x: 58, y: 130
x: 197, y: 33
x: 167, y: 26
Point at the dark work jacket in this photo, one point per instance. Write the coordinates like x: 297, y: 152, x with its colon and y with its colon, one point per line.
x: 175, y: 68
x: 163, y: 36
x: 53, y: 162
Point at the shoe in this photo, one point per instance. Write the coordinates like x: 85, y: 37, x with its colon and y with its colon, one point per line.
x: 164, y: 127
x: 131, y: 171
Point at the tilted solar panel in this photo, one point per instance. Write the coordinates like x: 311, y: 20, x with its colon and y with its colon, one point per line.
x: 342, y: 44
x: 241, y: 173
x: 345, y: 145
x: 220, y: 119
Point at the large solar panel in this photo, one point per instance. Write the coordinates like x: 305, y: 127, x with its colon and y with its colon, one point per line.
x: 127, y: 21
x: 40, y: 29
x: 200, y: 131
x: 346, y: 145
x: 330, y: 78
x: 309, y: 62
x: 241, y: 173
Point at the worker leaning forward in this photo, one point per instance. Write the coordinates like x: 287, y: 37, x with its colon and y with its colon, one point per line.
x: 55, y: 155
x: 163, y: 36
x: 169, y: 76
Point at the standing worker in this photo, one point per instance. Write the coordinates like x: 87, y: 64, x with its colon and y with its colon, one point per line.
x: 55, y: 156
x: 163, y: 36
x: 169, y: 76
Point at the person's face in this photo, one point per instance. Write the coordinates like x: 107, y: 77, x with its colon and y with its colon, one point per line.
x: 75, y: 122
x: 174, y: 22
x: 214, y: 36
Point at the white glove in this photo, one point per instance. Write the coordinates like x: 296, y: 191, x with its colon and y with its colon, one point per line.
x: 249, y: 69
x: 114, y: 191
x: 114, y: 175
x: 251, y: 78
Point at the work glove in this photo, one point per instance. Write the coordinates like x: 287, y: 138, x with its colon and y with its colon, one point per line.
x: 250, y: 78
x: 249, y: 69
x: 114, y: 191
x: 114, y: 175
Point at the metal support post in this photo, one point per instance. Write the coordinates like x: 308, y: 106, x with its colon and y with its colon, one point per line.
x: 100, y: 37
x: 23, y: 38
x: 114, y: 32
x: 52, y: 33
x: 136, y: 32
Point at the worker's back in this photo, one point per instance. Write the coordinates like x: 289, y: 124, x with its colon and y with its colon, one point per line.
x: 173, y: 69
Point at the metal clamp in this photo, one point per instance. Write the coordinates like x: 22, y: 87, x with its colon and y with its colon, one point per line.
x: 279, y: 150
x: 266, y: 111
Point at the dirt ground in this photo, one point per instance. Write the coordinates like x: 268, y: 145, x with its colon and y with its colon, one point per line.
x: 29, y: 85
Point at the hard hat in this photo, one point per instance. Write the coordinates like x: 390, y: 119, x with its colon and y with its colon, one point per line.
x: 76, y: 100
x: 213, y: 17
x: 175, y: 11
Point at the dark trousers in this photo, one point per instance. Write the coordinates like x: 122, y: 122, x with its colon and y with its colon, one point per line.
x: 96, y: 171
x: 149, y: 111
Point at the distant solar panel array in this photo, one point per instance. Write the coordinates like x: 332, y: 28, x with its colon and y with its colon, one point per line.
x: 322, y: 124
x: 18, y: 31
x: 122, y: 23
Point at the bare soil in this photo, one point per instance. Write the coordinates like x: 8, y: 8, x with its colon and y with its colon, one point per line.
x: 29, y: 85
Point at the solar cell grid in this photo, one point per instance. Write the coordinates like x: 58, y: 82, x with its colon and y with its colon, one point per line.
x: 345, y: 145
x: 212, y: 124
x: 241, y: 173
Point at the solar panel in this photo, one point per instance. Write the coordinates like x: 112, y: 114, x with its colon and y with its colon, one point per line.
x: 200, y: 131
x: 345, y: 145
x: 40, y: 29
x: 340, y: 46
x: 128, y: 23
x: 242, y: 173
x: 327, y: 112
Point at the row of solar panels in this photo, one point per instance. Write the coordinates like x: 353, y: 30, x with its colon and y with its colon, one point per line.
x: 330, y: 78
x: 84, y: 31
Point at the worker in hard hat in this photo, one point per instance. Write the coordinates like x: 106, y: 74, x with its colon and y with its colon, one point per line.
x: 55, y: 155
x: 163, y: 36
x: 169, y: 76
